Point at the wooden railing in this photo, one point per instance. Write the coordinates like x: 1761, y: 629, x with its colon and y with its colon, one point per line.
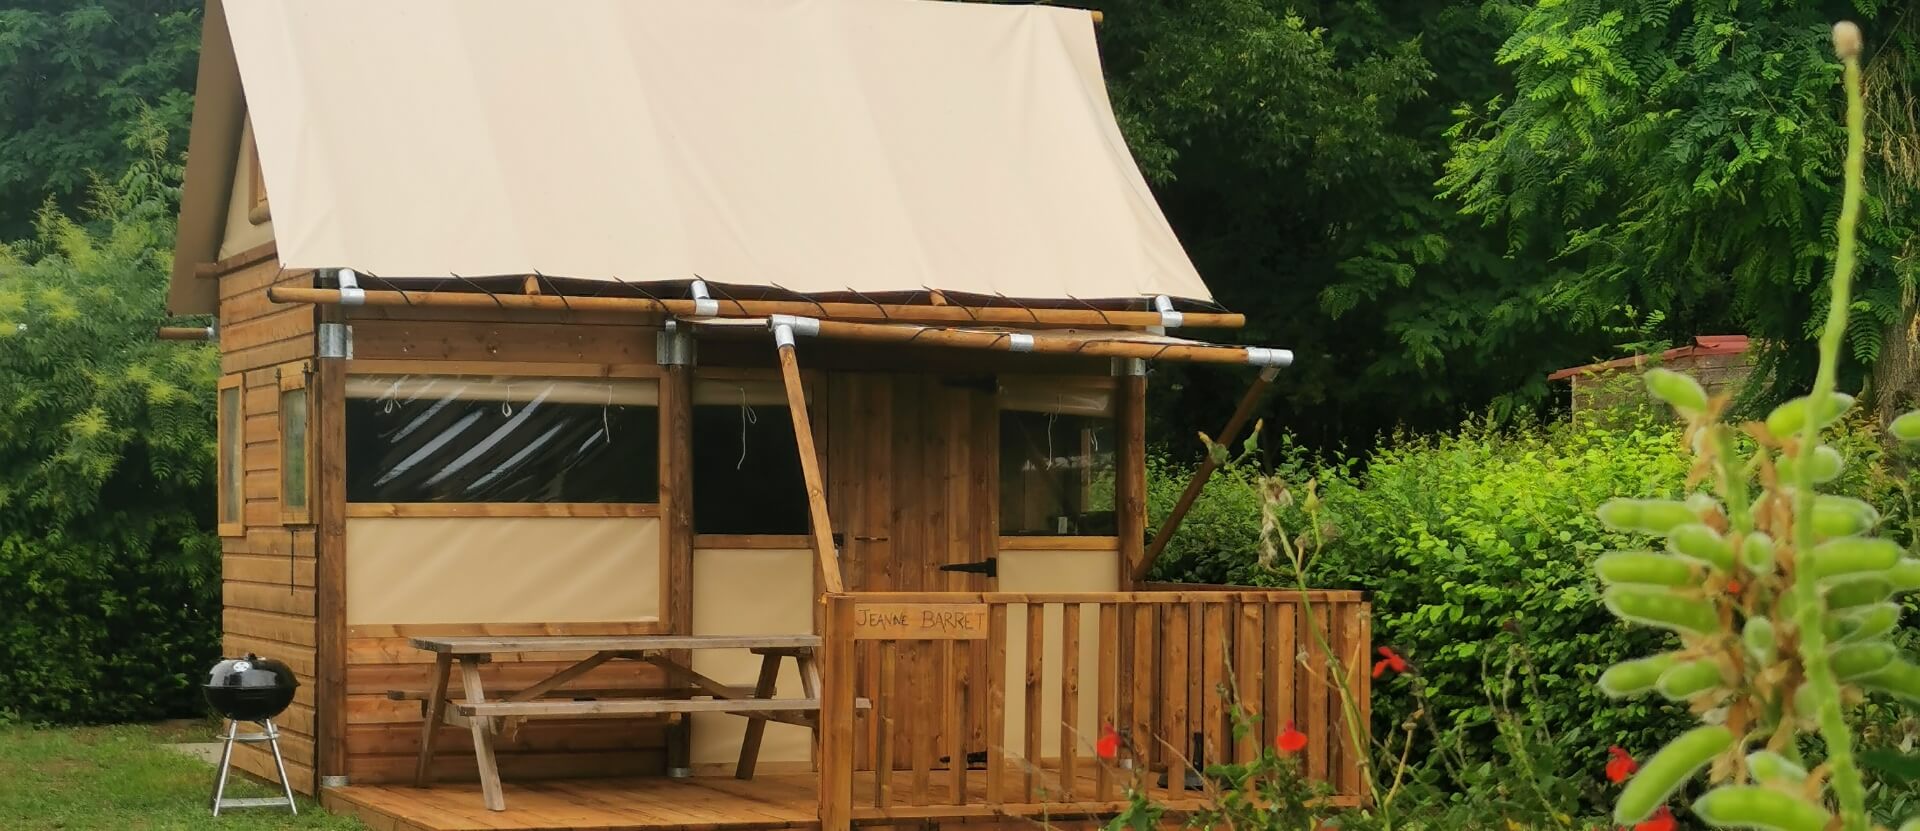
x: 995, y: 703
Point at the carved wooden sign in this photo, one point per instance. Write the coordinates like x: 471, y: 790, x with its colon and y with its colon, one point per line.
x: 920, y: 621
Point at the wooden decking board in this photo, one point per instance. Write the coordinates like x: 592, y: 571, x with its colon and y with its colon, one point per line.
x: 705, y: 803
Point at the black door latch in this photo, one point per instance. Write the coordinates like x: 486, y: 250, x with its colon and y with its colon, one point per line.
x: 989, y: 567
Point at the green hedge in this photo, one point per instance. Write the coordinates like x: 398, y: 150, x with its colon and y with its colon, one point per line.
x: 109, y: 575
x: 1475, y: 547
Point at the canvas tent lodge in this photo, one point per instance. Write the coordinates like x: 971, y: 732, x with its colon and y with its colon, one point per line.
x: 818, y: 319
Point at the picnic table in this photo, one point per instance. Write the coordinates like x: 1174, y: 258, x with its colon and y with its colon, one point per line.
x: 484, y: 716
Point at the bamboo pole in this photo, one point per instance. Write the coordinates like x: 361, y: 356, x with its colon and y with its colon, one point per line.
x: 820, y: 525
x: 1228, y: 435
x: 1041, y: 342
x: 835, y: 311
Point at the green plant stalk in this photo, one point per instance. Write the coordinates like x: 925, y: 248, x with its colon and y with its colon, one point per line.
x: 1809, y: 615
x: 1733, y: 480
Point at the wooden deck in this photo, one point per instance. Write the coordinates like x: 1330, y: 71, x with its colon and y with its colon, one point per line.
x: 701, y: 803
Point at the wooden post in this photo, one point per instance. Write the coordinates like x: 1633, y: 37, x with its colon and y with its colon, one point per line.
x: 676, y: 503
x: 329, y: 441
x: 821, y: 526
x: 836, y: 714
x: 1130, y: 480
x: 1228, y: 435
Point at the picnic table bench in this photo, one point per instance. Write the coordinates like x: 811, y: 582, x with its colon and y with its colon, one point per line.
x: 550, y: 698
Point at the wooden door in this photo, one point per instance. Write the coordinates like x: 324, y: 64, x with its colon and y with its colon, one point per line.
x: 912, y: 486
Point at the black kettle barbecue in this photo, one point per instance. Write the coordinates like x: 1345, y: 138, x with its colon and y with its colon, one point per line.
x: 251, y: 689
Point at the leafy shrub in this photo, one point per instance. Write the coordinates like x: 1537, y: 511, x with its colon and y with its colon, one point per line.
x: 109, y: 575
x: 1478, y: 544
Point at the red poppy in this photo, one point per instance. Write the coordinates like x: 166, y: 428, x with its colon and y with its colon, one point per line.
x: 1662, y: 820
x: 1389, y: 660
x: 1109, y: 744
x: 1619, y: 765
x: 1290, y: 740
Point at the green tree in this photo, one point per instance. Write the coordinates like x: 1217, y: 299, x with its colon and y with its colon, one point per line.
x: 1681, y: 155
x: 74, y: 76
x: 1295, y: 148
x: 109, y: 578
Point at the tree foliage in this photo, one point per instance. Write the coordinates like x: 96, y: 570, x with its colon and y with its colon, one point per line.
x: 1682, y: 155
x: 74, y: 74
x: 109, y: 583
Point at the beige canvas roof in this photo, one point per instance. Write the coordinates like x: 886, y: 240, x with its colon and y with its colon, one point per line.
x: 811, y: 145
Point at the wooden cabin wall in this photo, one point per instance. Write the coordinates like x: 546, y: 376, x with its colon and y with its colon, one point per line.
x: 268, y: 570
x: 383, y: 735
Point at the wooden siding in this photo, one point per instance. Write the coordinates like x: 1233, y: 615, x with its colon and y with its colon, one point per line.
x: 268, y: 572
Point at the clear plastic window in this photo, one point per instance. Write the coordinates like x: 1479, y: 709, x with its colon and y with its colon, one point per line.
x: 443, y: 438
x: 1056, y: 474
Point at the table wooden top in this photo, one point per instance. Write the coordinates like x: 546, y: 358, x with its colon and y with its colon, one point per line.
x: 608, y: 643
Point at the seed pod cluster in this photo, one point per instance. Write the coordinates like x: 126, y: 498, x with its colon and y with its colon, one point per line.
x: 1739, y: 569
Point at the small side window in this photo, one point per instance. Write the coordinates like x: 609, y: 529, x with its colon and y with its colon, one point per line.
x: 296, y: 446
x: 1057, y: 457
x: 232, y: 439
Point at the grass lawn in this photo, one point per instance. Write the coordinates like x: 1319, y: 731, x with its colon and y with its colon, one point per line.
x: 124, y: 777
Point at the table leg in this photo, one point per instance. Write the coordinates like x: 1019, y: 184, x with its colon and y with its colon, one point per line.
x: 482, y: 727
x: 436, y: 708
x: 757, y: 725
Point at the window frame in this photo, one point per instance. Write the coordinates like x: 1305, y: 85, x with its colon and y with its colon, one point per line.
x: 299, y: 378
x: 231, y: 470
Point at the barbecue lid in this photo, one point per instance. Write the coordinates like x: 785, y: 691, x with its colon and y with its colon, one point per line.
x: 252, y: 672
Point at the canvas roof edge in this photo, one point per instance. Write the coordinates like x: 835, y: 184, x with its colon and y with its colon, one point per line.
x: 213, y: 153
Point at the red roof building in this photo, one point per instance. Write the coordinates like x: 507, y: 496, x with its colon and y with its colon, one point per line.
x: 1721, y: 363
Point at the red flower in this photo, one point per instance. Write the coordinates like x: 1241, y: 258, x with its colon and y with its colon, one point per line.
x: 1109, y: 744
x: 1733, y: 587
x: 1620, y: 765
x: 1662, y: 820
x: 1290, y: 740
x: 1389, y: 660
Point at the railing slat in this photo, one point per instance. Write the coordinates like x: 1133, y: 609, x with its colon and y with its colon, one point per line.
x: 996, y: 704
x: 1283, y: 655
x: 1109, y: 699
x: 1312, y: 634
x: 1035, y: 682
x: 1246, y: 669
x: 1353, y: 654
x: 1193, y: 742
x: 925, y: 716
x: 1173, y: 667
x: 1069, y: 700
x: 958, y: 655
x: 884, y: 710
x: 1145, y: 744
x: 1213, y: 672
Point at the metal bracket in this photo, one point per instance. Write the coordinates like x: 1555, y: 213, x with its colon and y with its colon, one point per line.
x: 809, y: 326
x: 351, y: 294
x: 336, y: 340
x: 675, y: 345
x: 1129, y: 367
x: 1262, y: 356
x: 1020, y: 342
x: 703, y: 303
x: 333, y: 781
x: 1169, y: 319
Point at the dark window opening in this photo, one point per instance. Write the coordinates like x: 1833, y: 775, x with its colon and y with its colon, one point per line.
x: 483, y: 439
x: 746, y: 470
